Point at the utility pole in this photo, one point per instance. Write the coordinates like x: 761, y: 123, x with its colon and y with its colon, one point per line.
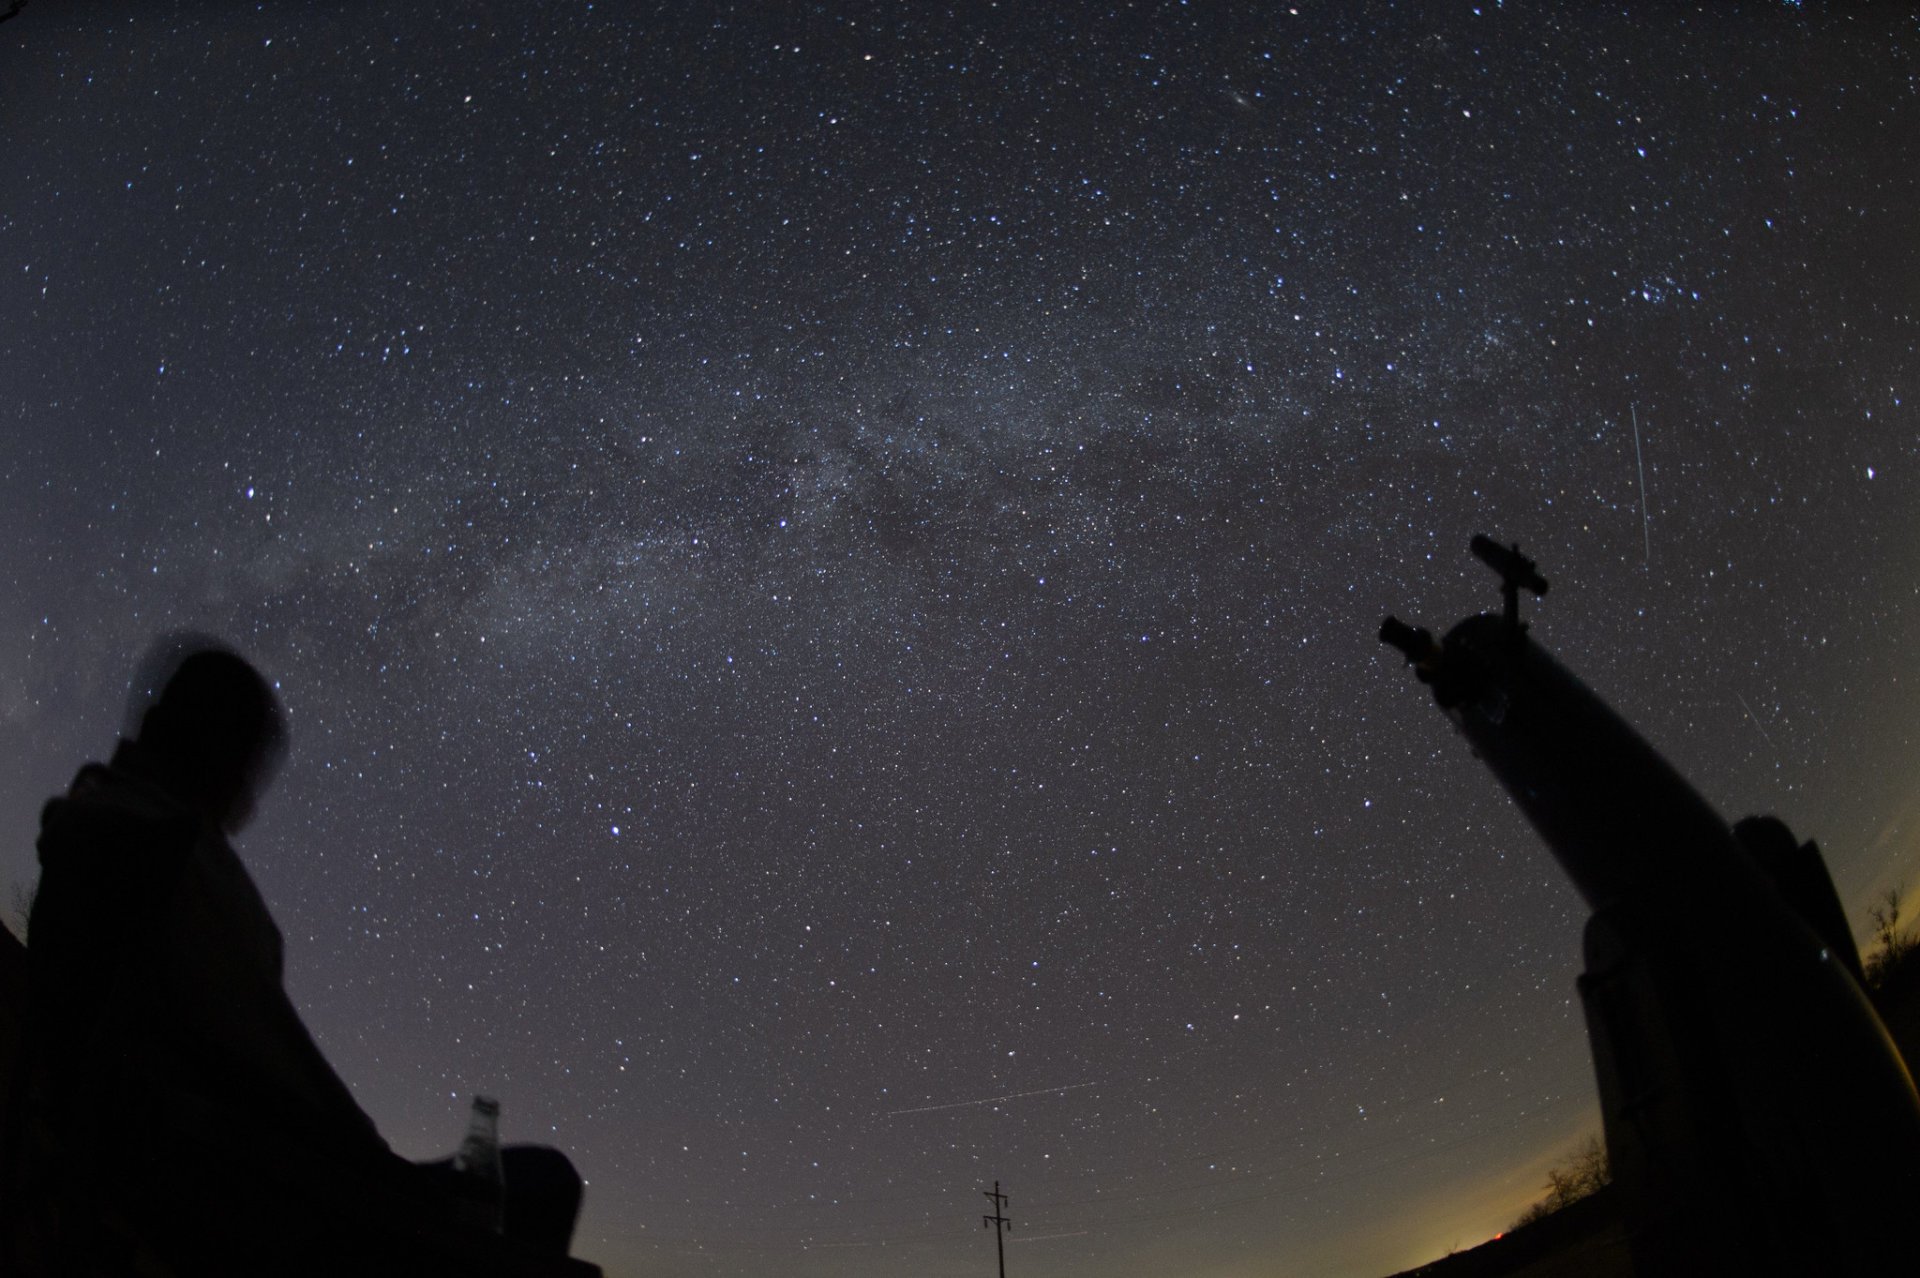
x: 1000, y: 1225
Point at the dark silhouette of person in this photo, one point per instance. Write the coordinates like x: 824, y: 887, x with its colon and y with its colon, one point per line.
x: 180, y: 1118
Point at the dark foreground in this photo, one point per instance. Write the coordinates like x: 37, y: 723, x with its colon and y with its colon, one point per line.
x: 1585, y: 1240
x: 1589, y: 1238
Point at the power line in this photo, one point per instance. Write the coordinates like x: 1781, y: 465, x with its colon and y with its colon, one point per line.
x: 1000, y: 1224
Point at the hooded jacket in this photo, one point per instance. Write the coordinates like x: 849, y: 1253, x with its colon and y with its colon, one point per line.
x: 158, y: 1000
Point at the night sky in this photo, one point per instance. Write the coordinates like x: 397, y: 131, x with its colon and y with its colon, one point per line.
x: 824, y: 562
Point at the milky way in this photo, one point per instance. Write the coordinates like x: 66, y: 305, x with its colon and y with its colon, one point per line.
x: 824, y: 565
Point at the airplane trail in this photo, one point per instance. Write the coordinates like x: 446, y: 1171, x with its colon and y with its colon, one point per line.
x: 1078, y: 1233
x: 990, y: 1100
x: 1646, y: 529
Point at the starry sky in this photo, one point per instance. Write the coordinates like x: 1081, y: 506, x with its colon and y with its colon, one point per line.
x: 824, y: 562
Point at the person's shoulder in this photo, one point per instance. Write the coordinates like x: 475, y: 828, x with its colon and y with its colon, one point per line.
x: 108, y: 809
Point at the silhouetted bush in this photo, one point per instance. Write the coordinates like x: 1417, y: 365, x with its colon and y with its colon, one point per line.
x: 1583, y: 1173
x: 1895, y: 946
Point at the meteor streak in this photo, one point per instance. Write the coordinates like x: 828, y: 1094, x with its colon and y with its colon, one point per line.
x: 990, y: 1100
x: 1756, y: 722
x: 1646, y: 528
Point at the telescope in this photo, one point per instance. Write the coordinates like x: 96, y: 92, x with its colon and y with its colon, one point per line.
x: 1758, y: 1118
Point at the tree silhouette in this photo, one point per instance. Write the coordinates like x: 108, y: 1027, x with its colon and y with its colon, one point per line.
x: 1585, y: 1171
x: 1894, y: 943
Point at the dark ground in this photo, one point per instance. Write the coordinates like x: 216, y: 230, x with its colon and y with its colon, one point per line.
x: 1588, y: 1239
x: 1585, y: 1240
